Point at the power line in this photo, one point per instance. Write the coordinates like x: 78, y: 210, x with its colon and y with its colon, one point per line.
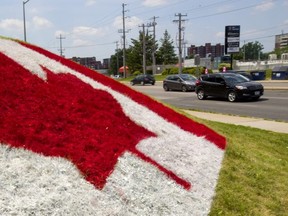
x: 229, y: 11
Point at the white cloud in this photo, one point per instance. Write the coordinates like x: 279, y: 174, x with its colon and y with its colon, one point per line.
x: 88, y: 31
x: 60, y: 32
x: 90, y: 2
x: 130, y: 22
x: 266, y: 5
x: 12, y: 24
x: 40, y: 22
x: 80, y: 42
x: 154, y: 3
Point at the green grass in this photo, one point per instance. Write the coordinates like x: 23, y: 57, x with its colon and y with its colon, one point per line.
x: 254, y: 175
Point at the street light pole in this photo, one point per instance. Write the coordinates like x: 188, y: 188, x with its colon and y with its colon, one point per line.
x: 24, y: 21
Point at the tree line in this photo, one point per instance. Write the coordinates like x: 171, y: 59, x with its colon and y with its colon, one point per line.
x: 164, y: 54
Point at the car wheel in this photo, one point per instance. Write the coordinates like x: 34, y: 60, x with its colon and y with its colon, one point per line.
x: 166, y: 88
x: 184, y: 88
x: 132, y: 83
x: 201, y: 94
x: 142, y: 83
x: 232, y: 96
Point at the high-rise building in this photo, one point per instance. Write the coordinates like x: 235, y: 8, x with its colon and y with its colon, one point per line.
x: 281, y: 41
x: 211, y: 50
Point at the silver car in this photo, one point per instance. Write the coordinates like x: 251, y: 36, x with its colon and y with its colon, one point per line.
x: 180, y: 82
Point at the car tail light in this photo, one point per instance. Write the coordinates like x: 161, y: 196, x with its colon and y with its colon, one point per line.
x: 197, y: 82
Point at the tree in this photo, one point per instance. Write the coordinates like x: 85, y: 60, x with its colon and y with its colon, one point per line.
x: 250, y: 52
x: 166, y: 53
x: 135, y: 52
x: 117, y: 57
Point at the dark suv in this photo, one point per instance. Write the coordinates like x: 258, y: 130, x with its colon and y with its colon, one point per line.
x: 143, y: 79
x: 227, y: 85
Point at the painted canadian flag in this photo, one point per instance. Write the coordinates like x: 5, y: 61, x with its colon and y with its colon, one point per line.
x: 75, y: 142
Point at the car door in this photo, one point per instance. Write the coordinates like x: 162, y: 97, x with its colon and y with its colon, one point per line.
x: 174, y: 82
x: 209, y: 85
x: 220, y: 87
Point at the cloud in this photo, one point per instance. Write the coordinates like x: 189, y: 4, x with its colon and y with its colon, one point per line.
x: 40, y: 22
x: 266, y: 5
x: 90, y: 2
x: 130, y: 22
x: 60, y: 32
x: 154, y: 3
x: 88, y: 31
x: 12, y: 24
x: 80, y: 42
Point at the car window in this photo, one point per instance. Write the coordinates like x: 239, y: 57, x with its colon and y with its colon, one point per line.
x: 174, y: 78
x: 235, y: 78
x: 210, y: 79
x: 188, y: 77
x: 219, y: 79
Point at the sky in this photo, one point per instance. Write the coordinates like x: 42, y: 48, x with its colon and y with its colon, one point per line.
x: 91, y: 28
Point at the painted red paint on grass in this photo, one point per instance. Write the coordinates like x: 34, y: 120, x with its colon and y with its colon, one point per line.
x: 169, y: 114
x: 65, y: 117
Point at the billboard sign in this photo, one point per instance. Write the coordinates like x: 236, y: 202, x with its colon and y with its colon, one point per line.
x: 232, y: 39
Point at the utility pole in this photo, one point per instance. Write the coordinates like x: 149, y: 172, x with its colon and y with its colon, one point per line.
x: 244, y: 52
x: 61, y: 49
x: 24, y: 19
x: 124, y: 41
x: 117, y: 57
x: 143, y: 48
x: 179, y: 21
x: 153, y: 24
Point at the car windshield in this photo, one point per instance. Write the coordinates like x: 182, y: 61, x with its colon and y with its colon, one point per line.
x: 188, y: 77
x: 235, y: 78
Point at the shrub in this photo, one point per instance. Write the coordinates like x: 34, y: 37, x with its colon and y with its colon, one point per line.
x: 135, y: 73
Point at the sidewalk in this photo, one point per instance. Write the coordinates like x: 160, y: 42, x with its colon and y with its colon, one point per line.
x: 279, y: 127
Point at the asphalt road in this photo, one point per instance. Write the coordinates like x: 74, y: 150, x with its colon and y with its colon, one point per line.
x: 272, y: 105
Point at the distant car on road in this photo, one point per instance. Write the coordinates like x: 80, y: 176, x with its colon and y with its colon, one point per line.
x: 232, y: 86
x: 180, y: 82
x: 143, y: 79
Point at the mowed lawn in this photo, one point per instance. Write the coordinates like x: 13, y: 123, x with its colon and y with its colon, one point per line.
x: 254, y: 175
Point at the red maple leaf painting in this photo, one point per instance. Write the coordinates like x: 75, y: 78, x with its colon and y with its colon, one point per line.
x: 64, y: 117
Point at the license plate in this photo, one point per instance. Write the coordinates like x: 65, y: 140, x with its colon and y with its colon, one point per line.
x: 257, y: 93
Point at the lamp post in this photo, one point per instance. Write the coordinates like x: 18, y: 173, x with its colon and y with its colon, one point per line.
x: 24, y: 21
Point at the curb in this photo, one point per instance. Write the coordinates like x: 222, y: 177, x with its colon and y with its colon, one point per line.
x: 279, y: 127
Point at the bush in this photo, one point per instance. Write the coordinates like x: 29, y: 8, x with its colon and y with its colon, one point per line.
x: 268, y: 74
x: 136, y: 73
x: 222, y: 65
x: 196, y: 71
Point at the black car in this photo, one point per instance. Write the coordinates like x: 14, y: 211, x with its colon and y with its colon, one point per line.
x: 182, y: 82
x: 232, y: 86
x: 143, y: 79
